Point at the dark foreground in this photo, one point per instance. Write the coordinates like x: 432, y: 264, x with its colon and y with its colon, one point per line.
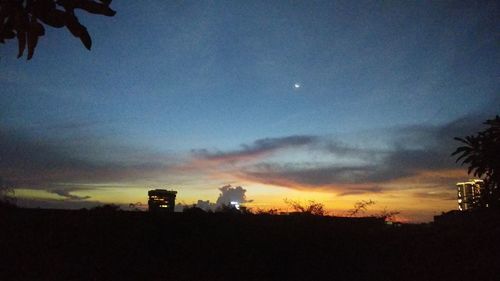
x: 83, y: 245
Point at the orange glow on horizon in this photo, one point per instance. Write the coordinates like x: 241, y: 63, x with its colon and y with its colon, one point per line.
x: 418, y: 198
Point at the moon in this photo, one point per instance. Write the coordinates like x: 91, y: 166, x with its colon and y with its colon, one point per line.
x: 296, y: 85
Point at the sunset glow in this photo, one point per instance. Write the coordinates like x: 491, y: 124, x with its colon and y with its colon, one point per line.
x: 362, y: 104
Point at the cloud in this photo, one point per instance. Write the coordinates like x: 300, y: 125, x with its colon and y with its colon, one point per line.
x: 34, y: 162
x: 440, y: 195
x: 215, y: 162
x: 342, y: 149
x: 415, y: 156
x: 56, y: 204
x: 258, y: 149
x: 328, y: 163
x: 361, y: 190
x: 67, y: 194
x: 308, y: 175
x: 230, y: 194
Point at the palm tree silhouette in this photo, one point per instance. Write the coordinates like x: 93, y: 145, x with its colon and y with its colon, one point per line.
x: 481, y: 153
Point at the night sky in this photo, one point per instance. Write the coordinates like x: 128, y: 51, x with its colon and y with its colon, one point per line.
x: 333, y: 101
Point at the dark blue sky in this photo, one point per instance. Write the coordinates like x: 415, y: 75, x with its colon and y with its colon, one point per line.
x: 168, y: 81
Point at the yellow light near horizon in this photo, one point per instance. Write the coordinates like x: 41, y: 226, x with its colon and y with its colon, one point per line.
x: 417, y: 199
x: 37, y: 194
x: 116, y: 195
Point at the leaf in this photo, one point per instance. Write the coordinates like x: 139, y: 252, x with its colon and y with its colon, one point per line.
x: 35, y: 30
x: 39, y: 29
x: 69, y: 5
x: 468, y: 160
x: 23, y: 19
x: 43, y: 6
x: 54, y: 18
x: 78, y: 30
x: 8, y: 34
x: 462, y: 149
x: 470, y: 170
x: 461, y: 140
x: 2, y: 19
x: 106, y: 2
x: 95, y: 8
x: 21, y: 40
x: 86, y: 40
x: 32, y: 41
x: 462, y: 156
x: 480, y: 172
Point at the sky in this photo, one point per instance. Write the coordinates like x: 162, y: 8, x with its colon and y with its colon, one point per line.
x: 331, y: 101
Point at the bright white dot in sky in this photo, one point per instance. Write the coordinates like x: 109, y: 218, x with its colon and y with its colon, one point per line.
x: 296, y: 85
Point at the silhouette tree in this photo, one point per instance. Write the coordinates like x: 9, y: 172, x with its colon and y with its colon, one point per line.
x: 388, y: 215
x: 312, y: 208
x: 193, y: 210
x: 137, y: 206
x: 7, y: 194
x: 270, y: 211
x: 106, y: 208
x: 25, y: 19
x: 481, y: 153
x: 360, y: 207
x: 227, y: 209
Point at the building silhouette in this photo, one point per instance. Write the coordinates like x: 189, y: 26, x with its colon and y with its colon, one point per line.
x: 161, y: 200
x: 469, y: 194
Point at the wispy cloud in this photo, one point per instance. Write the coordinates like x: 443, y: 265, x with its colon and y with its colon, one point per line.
x: 215, y: 162
x: 35, y: 162
x: 66, y: 193
x: 258, y: 149
x: 56, y: 204
x: 441, y: 195
x: 414, y: 156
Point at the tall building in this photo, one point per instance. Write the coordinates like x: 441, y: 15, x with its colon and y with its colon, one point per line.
x: 469, y: 194
x: 161, y: 200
